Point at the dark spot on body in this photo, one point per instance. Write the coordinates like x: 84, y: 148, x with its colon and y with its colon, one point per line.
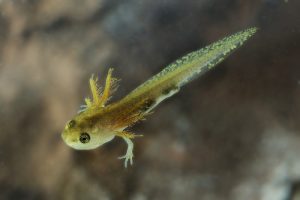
x: 168, y: 90
x: 148, y: 104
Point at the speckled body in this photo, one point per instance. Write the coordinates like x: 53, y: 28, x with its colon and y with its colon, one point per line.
x: 98, y: 123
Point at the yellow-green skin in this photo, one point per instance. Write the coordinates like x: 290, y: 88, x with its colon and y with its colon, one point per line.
x: 103, y: 123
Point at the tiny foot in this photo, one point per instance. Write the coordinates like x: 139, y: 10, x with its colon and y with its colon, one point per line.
x: 128, y: 157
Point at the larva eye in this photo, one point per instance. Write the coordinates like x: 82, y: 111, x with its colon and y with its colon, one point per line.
x: 84, y: 138
x: 71, y: 124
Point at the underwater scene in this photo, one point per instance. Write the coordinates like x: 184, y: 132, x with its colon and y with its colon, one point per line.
x: 149, y: 100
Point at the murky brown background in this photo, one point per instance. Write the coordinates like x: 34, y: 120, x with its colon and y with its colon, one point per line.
x: 231, y: 134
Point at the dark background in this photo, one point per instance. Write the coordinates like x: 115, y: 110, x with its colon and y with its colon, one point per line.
x: 231, y: 134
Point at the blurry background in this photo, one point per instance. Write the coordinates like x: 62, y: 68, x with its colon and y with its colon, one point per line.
x: 231, y: 134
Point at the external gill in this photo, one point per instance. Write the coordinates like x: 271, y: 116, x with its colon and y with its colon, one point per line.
x: 99, y: 96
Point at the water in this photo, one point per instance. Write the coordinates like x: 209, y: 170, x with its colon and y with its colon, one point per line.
x: 230, y: 134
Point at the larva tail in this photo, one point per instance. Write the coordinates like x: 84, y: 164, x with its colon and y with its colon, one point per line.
x: 193, y: 64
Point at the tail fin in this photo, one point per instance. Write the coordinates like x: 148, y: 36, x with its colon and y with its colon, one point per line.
x: 194, y: 64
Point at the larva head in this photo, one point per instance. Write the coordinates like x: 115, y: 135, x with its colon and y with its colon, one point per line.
x: 81, y: 137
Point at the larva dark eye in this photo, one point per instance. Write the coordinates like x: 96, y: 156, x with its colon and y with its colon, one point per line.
x: 84, y: 138
x: 71, y: 123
